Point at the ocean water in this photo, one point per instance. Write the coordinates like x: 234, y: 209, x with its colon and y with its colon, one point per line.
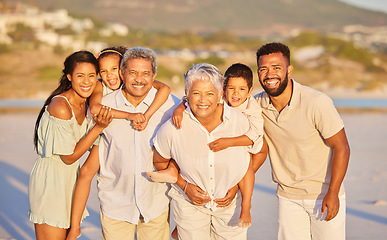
x: 345, y: 103
x: 21, y: 103
x: 360, y: 103
x: 376, y: 5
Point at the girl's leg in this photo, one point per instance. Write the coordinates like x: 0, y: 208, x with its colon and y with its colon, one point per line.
x: 44, y: 231
x: 169, y: 175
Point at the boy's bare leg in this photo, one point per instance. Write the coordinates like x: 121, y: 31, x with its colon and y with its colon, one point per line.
x: 259, y: 158
x: 246, y: 186
x: 169, y: 175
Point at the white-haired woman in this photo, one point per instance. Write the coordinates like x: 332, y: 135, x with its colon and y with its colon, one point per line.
x: 206, y: 177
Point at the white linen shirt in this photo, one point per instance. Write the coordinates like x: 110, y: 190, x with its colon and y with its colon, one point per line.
x: 125, y: 155
x: 213, y: 172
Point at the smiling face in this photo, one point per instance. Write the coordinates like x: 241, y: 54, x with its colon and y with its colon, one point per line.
x: 203, y: 98
x: 273, y: 73
x: 138, y: 78
x: 109, y: 67
x: 83, y: 79
x: 237, y: 91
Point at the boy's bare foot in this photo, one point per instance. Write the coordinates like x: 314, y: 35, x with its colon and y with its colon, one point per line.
x: 167, y: 175
x: 243, y: 224
x: 174, y: 234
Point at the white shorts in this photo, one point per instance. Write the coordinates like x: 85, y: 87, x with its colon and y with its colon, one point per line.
x: 302, y: 220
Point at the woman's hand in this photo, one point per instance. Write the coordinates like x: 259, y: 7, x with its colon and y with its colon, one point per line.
x: 103, y: 118
x: 74, y: 233
x: 230, y: 195
x: 197, y: 195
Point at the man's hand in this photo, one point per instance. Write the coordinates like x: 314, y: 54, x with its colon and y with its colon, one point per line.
x: 330, y: 205
x: 230, y: 195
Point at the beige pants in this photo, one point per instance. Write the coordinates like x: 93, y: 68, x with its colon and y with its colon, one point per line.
x: 156, y: 229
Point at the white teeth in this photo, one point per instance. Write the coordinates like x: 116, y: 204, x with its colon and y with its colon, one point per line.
x: 85, y: 88
x: 202, y: 107
x: 112, y: 82
x: 271, y: 82
x: 138, y: 86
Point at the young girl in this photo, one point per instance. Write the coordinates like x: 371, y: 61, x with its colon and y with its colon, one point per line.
x: 60, y: 140
x: 109, y: 62
x: 237, y: 93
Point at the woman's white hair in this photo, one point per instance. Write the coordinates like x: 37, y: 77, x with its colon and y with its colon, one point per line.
x: 205, y: 72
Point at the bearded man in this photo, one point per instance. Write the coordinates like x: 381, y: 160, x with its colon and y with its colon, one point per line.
x: 308, y: 150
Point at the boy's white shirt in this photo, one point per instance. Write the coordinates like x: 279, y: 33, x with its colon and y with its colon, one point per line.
x: 253, y: 111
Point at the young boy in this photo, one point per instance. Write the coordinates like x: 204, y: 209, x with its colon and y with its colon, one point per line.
x: 238, y: 86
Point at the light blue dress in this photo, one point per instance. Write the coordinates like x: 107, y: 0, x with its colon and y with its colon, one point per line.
x: 52, y: 181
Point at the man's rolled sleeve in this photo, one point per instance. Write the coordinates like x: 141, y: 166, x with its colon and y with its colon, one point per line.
x: 162, y: 140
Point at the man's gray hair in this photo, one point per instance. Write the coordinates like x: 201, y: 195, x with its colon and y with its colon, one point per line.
x: 205, y: 72
x: 139, y: 52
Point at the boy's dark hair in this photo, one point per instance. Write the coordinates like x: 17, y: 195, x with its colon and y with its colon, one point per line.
x: 239, y: 70
x: 274, y: 47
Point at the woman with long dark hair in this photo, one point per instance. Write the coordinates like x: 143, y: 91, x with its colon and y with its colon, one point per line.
x: 60, y: 139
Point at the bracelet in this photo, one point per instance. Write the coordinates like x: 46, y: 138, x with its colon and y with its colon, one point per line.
x: 185, y: 187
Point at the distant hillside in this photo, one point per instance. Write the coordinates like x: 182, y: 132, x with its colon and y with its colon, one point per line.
x: 243, y: 17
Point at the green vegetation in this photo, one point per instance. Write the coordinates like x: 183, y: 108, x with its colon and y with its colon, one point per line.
x: 4, y: 48
x: 337, y: 48
x: 164, y: 73
x: 180, y: 40
x: 214, y: 60
x: 66, y: 31
x: 49, y: 73
x: 23, y: 34
x: 248, y: 16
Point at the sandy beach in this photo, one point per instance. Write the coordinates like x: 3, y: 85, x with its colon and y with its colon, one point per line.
x: 365, y: 182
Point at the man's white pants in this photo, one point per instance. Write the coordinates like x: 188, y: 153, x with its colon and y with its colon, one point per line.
x: 302, y: 220
x: 197, y: 222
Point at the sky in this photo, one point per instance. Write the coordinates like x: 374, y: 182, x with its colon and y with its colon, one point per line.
x: 377, y: 5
